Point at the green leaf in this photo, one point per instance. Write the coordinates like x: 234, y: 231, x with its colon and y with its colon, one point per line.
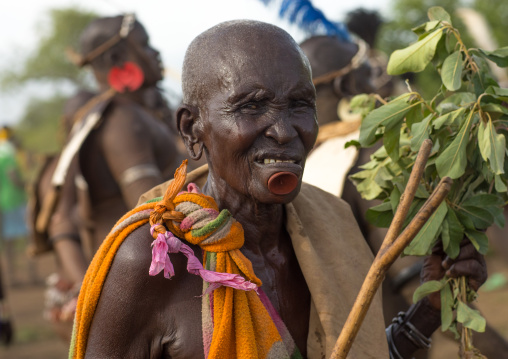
x: 465, y: 221
x: 452, y: 234
x: 420, y: 132
x: 359, y: 101
x: 422, y: 243
x: 482, y: 79
x: 499, y: 56
x: 492, y: 146
x: 498, y: 214
x: 471, y: 185
x: 495, y: 108
x: 491, y: 202
x: 447, y: 304
x: 426, y: 288
x: 451, y: 72
x: 481, y: 217
x: 483, y: 200
x: 380, y: 215
x: 429, y: 26
x: 395, y: 198
x: 421, y: 192
x: 415, y: 57
x: 362, y: 104
x: 470, y: 318
x: 352, y: 143
x: 445, y: 233
x: 440, y: 55
x: 386, y: 115
x: 459, y: 99
x: 479, y: 240
x: 391, y: 140
x: 452, y: 118
x: 369, y: 189
x: 413, y: 116
x: 370, y: 182
x: 423, y: 28
x: 452, y: 162
x: 438, y: 13
x: 500, y: 184
x: 501, y: 93
x: 451, y: 42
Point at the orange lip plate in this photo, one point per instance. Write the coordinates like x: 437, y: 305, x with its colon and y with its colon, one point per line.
x: 282, y: 183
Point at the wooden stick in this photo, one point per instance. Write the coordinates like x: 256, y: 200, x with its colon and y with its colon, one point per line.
x: 390, y: 251
x: 409, y: 193
x: 380, y: 266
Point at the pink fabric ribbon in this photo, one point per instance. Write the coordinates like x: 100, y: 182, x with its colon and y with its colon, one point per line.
x: 166, y: 243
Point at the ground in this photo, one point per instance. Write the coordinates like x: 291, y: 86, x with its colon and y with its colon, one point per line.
x: 36, y: 339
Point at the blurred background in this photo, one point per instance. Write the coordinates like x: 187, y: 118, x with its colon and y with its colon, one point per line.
x: 36, y: 77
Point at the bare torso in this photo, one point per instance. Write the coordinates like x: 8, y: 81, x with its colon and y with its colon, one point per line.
x: 128, y: 137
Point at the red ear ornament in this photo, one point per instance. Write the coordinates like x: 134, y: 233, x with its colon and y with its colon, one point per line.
x: 128, y: 77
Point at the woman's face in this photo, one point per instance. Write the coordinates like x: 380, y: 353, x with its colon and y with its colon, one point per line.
x: 261, y: 121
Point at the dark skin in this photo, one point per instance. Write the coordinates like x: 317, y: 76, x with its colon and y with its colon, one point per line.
x: 262, y: 114
x: 130, y: 136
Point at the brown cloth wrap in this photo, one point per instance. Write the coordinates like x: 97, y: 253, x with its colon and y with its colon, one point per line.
x: 334, y: 259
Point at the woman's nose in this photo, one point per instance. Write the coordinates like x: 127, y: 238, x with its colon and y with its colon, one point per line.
x: 281, y: 130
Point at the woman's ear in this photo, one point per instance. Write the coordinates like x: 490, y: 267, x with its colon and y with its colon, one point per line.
x: 189, y: 126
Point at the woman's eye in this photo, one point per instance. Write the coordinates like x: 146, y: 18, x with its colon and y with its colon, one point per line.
x: 253, y: 108
x: 300, y: 103
x: 250, y: 108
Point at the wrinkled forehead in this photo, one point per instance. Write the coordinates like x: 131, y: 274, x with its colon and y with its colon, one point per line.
x: 267, y: 59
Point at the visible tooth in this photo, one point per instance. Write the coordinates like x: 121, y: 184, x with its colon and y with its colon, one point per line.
x: 266, y: 161
x: 279, y: 161
x: 272, y: 160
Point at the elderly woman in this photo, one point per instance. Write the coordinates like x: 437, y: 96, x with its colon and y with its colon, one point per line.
x: 280, y: 261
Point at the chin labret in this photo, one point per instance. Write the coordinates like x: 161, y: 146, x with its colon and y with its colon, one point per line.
x: 282, y: 183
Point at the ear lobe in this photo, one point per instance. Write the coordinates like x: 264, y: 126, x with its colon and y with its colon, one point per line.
x: 189, y: 126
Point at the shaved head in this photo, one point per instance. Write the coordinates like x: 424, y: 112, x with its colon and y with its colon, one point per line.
x: 217, y: 55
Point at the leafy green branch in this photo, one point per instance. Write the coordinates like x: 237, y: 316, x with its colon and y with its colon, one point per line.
x: 467, y: 121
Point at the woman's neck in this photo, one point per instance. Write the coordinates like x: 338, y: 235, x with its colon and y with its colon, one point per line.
x: 261, y: 222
